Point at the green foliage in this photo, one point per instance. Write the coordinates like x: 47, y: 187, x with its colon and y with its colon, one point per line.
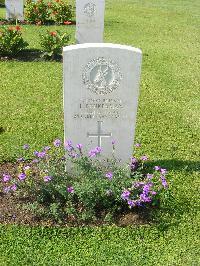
x: 37, y: 12
x: 53, y: 42
x: 41, y: 12
x: 11, y: 41
x: 2, y: 3
x: 60, y: 11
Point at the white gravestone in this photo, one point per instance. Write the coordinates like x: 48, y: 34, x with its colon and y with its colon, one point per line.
x: 90, y: 21
x: 14, y: 9
x: 101, y: 88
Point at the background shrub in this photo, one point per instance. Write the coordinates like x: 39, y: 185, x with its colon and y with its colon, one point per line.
x: 60, y: 11
x: 53, y: 42
x: 37, y: 12
x: 11, y: 41
x: 41, y: 12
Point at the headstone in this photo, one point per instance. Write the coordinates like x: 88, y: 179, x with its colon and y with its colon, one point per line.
x: 89, y: 21
x: 101, y: 88
x: 14, y: 9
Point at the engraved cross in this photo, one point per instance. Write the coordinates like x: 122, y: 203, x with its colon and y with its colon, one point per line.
x: 100, y: 134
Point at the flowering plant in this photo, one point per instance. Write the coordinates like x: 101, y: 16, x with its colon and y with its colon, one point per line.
x: 53, y: 42
x: 11, y: 41
x: 60, y: 11
x: 41, y: 12
x: 37, y: 12
x: 68, y: 184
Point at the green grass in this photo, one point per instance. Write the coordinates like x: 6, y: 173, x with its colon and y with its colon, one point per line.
x: 168, y: 126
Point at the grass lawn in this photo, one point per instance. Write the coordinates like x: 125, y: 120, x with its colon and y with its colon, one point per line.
x: 168, y: 126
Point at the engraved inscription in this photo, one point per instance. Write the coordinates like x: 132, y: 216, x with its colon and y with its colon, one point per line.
x: 100, y: 109
x: 101, y: 76
x: 90, y: 9
x: 100, y: 134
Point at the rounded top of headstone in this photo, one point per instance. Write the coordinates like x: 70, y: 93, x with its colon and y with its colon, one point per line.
x: 101, y: 45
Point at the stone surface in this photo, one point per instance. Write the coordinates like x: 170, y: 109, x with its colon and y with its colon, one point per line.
x: 89, y: 21
x: 101, y: 87
x: 14, y: 9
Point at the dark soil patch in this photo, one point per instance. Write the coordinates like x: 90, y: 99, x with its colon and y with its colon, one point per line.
x: 29, y: 55
x: 13, y: 211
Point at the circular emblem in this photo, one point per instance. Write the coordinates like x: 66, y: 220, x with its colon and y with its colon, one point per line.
x: 101, y: 76
x: 90, y: 9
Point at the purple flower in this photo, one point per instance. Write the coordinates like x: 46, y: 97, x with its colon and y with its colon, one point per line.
x: 57, y: 143
x: 35, y: 161
x: 153, y: 192
x: 73, y: 155
x: 36, y: 153
x: 149, y: 176
x: 134, y: 160
x: 145, y: 198
x: 21, y: 176
x: 70, y: 189
x: 68, y: 145
x: 134, y: 164
x: 144, y: 158
x: 109, y: 175
x: 20, y: 159
x: 98, y: 150
x: 79, y: 146
x: 146, y: 189
x: 41, y: 154
x: 92, y: 153
x: 6, y: 178
x: 47, y: 178
x: 131, y: 203
x: 6, y: 189
x: 125, y: 195
x: 113, y: 142
x: 138, y: 145
x: 26, y: 147
x: 13, y: 187
x: 164, y: 182
x: 157, y: 168
x: 163, y: 171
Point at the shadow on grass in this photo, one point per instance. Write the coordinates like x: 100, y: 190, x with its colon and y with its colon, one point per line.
x: 30, y: 55
x: 177, y: 165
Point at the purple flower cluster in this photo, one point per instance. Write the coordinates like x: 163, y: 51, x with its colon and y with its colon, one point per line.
x: 10, y: 188
x: 139, y: 193
x: 68, y: 146
x: 109, y: 175
x: 57, y: 143
x: 70, y: 189
x: 134, y: 164
x: 22, y: 177
x: 47, y: 178
x: 163, y: 173
x: 6, y: 178
x: 95, y: 152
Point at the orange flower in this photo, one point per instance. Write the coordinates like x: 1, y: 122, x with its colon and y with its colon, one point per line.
x: 53, y: 33
x: 18, y: 28
x: 67, y: 22
x: 11, y: 28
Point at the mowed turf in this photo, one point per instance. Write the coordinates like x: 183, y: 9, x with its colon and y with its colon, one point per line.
x: 168, y: 126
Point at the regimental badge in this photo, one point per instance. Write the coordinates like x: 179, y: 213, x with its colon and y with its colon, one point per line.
x: 102, y: 76
x: 90, y: 9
